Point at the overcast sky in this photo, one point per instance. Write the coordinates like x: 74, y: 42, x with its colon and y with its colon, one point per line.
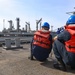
x: 51, y: 11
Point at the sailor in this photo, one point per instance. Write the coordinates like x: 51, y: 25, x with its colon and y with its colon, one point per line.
x: 41, y: 44
x: 64, y: 46
x: 58, y: 30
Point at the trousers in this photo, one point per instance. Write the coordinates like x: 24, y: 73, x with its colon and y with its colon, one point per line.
x: 62, y: 54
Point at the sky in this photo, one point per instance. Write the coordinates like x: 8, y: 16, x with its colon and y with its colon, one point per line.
x: 51, y: 11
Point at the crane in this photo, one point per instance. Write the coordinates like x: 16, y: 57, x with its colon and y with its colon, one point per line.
x: 73, y: 12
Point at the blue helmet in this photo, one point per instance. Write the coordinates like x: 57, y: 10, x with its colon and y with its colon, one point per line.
x: 71, y: 20
x: 46, y: 25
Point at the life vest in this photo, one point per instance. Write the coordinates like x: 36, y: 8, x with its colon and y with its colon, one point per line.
x: 70, y: 44
x: 42, y: 39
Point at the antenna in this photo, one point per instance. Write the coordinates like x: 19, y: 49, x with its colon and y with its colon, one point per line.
x: 3, y: 24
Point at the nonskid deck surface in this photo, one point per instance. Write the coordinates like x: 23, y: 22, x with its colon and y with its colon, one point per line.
x: 16, y: 62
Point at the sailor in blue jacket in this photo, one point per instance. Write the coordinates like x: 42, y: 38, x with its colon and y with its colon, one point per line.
x: 41, y: 44
x: 64, y: 46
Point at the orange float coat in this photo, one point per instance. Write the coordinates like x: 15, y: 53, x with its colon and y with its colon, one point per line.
x: 42, y: 39
x: 70, y: 44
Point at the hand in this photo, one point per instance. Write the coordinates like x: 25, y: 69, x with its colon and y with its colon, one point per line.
x: 55, y: 38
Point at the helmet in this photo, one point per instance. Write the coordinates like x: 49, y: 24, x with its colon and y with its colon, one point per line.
x: 46, y: 25
x: 71, y: 20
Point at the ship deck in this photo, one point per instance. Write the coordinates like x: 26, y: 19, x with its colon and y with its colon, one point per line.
x: 16, y: 62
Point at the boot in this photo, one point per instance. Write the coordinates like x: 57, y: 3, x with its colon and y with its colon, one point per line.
x: 60, y: 65
x: 31, y: 57
x: 72, y: 67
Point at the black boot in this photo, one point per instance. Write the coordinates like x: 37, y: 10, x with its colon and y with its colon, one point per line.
x: 31, y: 56
x: 72, y: 67
x: 60, y: 65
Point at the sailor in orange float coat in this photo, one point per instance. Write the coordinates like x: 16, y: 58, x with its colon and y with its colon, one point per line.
x: 41, y: 44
